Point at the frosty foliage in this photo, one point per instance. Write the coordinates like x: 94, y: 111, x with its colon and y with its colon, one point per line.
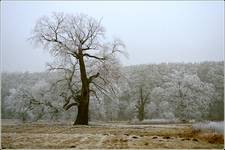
x: 176, y: 90
x: 188, y: 95
x: 33, y: 101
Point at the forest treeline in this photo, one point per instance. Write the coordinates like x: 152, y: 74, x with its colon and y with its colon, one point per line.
x: 150, y: 91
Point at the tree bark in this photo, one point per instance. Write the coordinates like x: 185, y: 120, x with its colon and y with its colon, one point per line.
x: 82, y: 116
x: 83, y: 107
x: 141, y: 113
x: 141, y: 108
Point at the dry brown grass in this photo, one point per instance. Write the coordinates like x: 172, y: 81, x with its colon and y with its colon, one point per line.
x: 214, y: 138
x: 107, y: 136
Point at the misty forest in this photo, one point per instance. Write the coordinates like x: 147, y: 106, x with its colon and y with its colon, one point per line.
x: 166, y: 91
x: 88, y: 99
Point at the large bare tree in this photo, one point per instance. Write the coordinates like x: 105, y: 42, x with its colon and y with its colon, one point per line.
x: 87, y: 61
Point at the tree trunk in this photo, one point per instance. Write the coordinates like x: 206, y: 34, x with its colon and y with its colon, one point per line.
x: 83, y: 107
x: 141, y: 113
x: 82, y: 116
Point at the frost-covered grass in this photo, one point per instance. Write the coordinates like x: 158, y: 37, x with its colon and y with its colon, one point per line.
x: 217, y: 127
x: 159, y: 121
x: 155, y: 121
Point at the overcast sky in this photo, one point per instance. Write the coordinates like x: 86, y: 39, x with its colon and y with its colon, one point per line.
x: 153, y: 32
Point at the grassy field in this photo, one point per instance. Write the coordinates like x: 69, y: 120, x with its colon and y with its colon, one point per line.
x: 107, y: 135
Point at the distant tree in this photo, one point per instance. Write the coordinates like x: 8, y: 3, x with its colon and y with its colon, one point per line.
x: 32, y: 103
x: 19, y: 103
x: 137, y: 91
x: 143, y: 100
x: 189, y: 96
x: 77, y: 43
x: 157, y: 97
x: 126, y: 112
x: 213, y: 73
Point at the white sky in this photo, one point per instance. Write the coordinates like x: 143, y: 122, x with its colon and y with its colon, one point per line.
x: 154, y: 32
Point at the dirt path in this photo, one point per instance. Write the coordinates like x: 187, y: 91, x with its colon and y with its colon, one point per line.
x: 107, y: 136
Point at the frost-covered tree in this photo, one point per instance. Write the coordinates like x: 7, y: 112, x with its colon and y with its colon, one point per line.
x: 77, y: 41
x: 125, y: 107
x: 138, y: 91
x: 158, y: 97
x: 33, y: 103
x: 189, y: 96
x: 213, y: 72
x: 15, y: 81
x: 19, y: 103
x: 142, y: 101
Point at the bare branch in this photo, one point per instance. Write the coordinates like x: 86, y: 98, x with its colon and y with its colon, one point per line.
x: 92, y: 56
x: 101, y: 89
x: 91, y: 78
x: 70, y: 105
x: 94, y: 92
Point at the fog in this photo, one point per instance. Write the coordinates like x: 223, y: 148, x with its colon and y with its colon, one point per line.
x: 167, y: 91
x: 153, y: 32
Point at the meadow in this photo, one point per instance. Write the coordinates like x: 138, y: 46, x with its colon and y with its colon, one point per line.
x: 117, y: 135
